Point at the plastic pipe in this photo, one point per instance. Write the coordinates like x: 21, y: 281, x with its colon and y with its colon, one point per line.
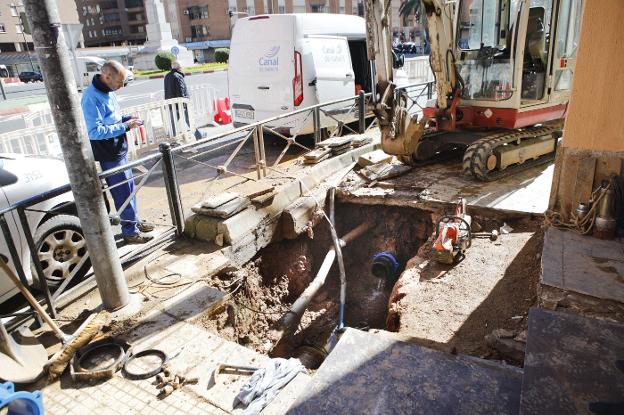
x: 293, y: 316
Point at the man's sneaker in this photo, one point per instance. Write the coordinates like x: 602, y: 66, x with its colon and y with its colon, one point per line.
x: 145, y: 227
x: 137, y: 239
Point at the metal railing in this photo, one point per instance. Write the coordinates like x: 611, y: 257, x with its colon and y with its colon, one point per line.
x: 214, y: 157
x: 165, y: 120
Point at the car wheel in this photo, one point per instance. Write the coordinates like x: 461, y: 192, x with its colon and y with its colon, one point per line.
x: 61, y: 245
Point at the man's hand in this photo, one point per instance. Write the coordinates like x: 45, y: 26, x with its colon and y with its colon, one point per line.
x: 133, y: 123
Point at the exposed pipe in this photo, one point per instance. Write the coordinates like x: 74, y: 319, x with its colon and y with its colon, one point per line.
x: 293, y: 316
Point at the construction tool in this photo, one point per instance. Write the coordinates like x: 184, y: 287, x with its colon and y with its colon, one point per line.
x: 453, y: 235
x: 493, y: 236
x: 169, y: 381
x: 22, y: 357
x: 232, y: 370
x: 87, y: 330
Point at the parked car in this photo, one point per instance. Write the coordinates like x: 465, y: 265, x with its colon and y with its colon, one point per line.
x: 89, y: 66
x: 54, y: 224
x: 30, y: 77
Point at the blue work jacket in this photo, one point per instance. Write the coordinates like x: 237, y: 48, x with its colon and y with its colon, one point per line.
x: 105, y: 123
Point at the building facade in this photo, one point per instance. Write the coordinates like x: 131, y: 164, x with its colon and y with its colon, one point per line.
x: 16, y: 47
x: 203, y: 25
x: 12, y: 36
x: 112, y: 22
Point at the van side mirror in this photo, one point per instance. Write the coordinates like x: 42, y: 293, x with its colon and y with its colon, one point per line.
x: 398, y: 61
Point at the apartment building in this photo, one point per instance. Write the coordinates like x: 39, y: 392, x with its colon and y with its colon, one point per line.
x: 112, y: 22
x: 16, y: 47
x: 12, y: 36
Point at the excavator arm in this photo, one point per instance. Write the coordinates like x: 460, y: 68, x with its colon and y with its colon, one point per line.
x: 400, y: 131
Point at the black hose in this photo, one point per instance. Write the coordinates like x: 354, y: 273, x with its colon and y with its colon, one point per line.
x: 338, y: 249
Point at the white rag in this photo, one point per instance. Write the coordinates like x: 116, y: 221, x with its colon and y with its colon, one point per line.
x: 266, y: 383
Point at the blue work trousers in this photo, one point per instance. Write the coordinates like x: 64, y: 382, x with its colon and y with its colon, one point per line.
x: 129, y: 216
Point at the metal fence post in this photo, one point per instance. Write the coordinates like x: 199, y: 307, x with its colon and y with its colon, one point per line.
x: 261, y: 148
x: 429, y: 90
x: 173, y: 191
x: 35, y: 259
x: 256, y: 146
x: 362, y: 112
x: 6, y: 232
x: 316, y: 119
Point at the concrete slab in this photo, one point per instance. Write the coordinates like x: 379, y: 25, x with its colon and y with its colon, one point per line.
x: 584, y: 264
x: 527, y: 191
x: 199, y: 298
x: 376, y: 374
x: 572, y: 362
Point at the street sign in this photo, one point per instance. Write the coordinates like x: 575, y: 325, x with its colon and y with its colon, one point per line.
x: 175, y: 50
x: 71, y: 32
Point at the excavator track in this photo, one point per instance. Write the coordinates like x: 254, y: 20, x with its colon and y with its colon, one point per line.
x: 477, y: 155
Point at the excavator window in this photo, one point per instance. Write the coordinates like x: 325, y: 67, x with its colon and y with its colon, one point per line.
x: 535, y: 54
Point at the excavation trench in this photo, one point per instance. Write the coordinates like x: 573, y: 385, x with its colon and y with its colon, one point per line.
x: 263, y: 292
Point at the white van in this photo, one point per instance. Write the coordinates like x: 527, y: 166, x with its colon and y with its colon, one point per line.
x: 88, y: 67
x: 283, y: 62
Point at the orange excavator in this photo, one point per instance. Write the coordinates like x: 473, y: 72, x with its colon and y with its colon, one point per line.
x: 503, y: 71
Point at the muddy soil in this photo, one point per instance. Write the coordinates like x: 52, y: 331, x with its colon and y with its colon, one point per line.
x: 453, y: 308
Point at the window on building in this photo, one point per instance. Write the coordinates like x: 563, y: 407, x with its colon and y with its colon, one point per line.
x: 282, y: 9
x: 13, y: 10
x: 112, y: 31
x: 18, y: 28
x: 251, y: 11
x: 199, y: 32
x: 198, y: 12
x: 137, y: 29
x: 2, y: 28
x: 134, y: 3
x: 113, y: 17
x: 342, y: 10
x: 317, y: 8
x: 107, y: 5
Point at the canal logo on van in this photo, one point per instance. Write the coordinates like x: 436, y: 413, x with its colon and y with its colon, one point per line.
x: 269, y: 62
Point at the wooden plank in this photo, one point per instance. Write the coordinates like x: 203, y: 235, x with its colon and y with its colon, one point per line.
x: 567, y: 183
x: 584, y: 179
x: 605, y: 166
x: 554, y: 189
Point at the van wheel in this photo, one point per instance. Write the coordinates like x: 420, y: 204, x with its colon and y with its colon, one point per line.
x: 61, y: 245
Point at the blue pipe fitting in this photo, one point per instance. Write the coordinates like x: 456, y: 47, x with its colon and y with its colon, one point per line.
x: 385, y: 265
x: 20, y: 403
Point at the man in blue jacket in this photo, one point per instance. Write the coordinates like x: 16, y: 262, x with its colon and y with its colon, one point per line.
x: 107, y: 133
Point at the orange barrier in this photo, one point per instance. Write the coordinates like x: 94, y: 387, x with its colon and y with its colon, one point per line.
x: 222, y: 111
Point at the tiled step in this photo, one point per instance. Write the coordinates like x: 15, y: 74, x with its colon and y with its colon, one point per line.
x: 573, y: 365
x: 372, y: 374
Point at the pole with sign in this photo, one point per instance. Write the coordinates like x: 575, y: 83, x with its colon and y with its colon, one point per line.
x: 72, y: 33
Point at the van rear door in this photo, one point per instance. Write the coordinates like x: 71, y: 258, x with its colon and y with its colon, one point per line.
x: 261, y: 68
x: 332, y: 62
